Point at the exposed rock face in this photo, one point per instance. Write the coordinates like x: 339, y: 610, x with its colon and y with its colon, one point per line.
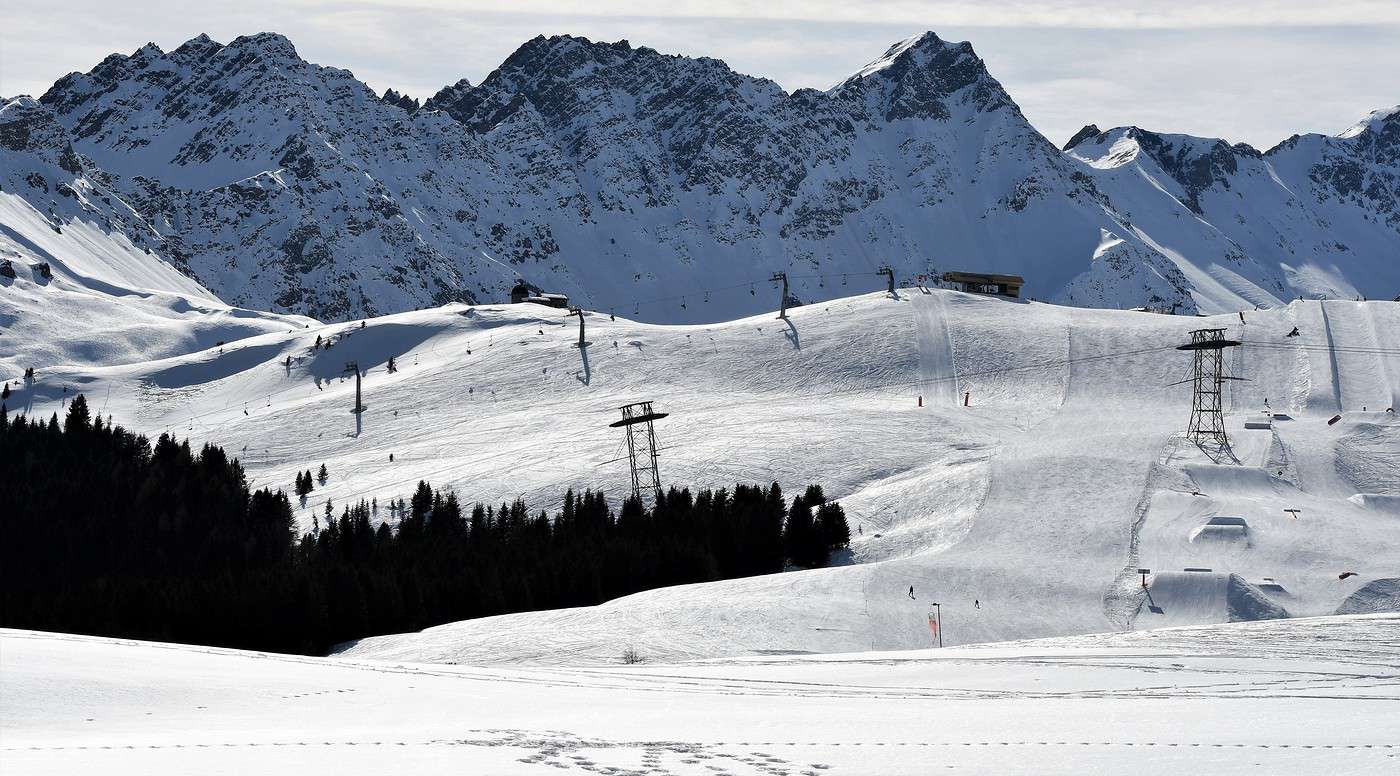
x: 1087, y: 132
x: 637, y: 181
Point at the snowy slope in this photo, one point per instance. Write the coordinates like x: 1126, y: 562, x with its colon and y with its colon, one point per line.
x: 107, y: 301
x: 666, y: 188
x: 1062, y: 473
x: 1292, y: 696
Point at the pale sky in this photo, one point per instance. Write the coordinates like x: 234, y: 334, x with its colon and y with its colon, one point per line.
x: 1255, y: 71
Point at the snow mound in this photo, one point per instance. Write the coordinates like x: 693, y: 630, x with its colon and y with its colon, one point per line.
x: 1374, y: 597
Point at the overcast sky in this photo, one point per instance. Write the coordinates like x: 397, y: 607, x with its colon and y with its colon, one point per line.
x: 1252, y: 70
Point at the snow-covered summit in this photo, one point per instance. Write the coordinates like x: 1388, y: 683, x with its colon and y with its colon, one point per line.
x: 916, y: 78
x: 1383, y: 120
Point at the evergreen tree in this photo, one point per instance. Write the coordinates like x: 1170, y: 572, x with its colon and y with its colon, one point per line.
x: 78, y: 418
x: 323, y: 475
x: 801, y: 542
x: 831, y: 522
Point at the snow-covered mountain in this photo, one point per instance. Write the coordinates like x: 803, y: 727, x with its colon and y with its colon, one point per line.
x: 78, y: 283
x: 669, y: 188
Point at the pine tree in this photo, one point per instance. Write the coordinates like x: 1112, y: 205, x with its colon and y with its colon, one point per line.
x: 802, y: 544
x: 831, y: 522
x: 5, y: 392
x: 323, y: 475
x: 78, y: 418
x: 305, y: 483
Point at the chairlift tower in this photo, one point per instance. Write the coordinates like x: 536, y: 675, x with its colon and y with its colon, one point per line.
x: 354, y: 366
x: 888, y: 272
x: 781, y: 277
x: 579, y: 312
x: 1207, y: 426
x: 637, y: 419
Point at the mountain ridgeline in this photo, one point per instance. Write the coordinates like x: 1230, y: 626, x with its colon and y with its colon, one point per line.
x: 661, y: 187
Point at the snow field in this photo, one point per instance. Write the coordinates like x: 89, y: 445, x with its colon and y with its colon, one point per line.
x: 1239, y: 698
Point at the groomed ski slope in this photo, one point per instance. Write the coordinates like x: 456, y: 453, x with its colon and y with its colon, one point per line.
x: 1036, y: 501
x: 1285, y: 696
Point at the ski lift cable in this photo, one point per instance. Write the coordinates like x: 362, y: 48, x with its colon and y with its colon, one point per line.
x: 1319, y: 348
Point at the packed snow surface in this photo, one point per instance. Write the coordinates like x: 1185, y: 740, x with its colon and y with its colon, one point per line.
x: 1014, y: 462
x: 1284, y: 696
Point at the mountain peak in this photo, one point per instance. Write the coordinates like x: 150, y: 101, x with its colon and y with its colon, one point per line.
x: 1088, y: 131
x: 566, y: 53
x: 918, y: 46
x: 271, y: 44
x: 918, y: 75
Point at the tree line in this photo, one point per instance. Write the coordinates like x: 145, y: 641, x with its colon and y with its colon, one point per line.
x: 108, y: 534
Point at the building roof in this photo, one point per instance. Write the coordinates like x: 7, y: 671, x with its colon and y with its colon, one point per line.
x: 981, y: 277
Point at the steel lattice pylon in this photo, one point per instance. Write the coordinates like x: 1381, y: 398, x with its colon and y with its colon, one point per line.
x: 1207, y: 426
x: 641, y: 453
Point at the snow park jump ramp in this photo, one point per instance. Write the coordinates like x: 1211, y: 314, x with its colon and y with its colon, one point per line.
x: 1044, y: 465
x: 1203, y: 597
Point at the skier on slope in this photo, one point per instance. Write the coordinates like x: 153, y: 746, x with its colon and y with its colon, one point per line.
x: 1293, y: 333
x: 911, y: 592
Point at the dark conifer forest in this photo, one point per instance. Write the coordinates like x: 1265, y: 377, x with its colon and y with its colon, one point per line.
x: 107, y: 534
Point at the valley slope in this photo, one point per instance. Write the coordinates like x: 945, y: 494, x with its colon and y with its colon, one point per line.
x: 1022, y: 513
